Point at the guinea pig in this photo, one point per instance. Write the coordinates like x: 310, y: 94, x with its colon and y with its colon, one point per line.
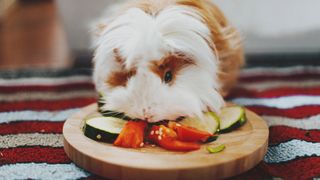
x: 162, y: 59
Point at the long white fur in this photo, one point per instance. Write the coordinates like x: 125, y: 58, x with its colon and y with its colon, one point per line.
x: 141, y: 38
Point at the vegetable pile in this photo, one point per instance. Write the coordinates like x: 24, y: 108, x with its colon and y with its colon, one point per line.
x: 187, y: 134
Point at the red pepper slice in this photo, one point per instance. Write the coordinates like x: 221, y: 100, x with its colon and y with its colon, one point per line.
x: 132, y: 134
x: 167, y: 139
x: 189, y: 134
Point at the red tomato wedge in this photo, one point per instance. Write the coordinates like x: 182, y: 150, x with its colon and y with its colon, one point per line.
x: 189, y: 134
x: 167, y: 139
x: 132, y: 134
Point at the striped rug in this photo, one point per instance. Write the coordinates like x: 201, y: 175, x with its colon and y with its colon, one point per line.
x: 34, y: 105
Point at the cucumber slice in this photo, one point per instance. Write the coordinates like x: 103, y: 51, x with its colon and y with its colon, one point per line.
x: 209, y: 124
x: 231, y: 118
x: 214, y: 123
x: 216, y: 149
x: 104, y: 129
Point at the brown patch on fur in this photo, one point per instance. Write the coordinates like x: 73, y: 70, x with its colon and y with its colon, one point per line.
x: 118, y: 57
x: 99, y: 29
x: 172, y: 62
x: 226, y: 42
x: 152, y: 7
x: 121, y: 77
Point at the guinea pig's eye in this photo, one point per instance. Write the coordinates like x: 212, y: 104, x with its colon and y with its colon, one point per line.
x: 168, y: 77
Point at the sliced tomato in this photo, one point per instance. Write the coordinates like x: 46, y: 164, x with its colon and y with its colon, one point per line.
x: 167, y: 139
x: 189, y: 134
x: 132, y: 135
x: 176, y: 145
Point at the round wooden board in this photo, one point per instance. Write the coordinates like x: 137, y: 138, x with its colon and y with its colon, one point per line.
x: 245, y: 148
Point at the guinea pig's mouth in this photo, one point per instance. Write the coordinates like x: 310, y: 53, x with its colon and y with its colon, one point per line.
x: 122, y: 115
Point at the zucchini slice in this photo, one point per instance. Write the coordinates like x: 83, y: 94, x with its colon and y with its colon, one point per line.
x: 231, y: 118
x: 104, y: 129
x: 216, y: 149
x: 209, y: 124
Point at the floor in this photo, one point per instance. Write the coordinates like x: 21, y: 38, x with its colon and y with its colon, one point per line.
x: 31, y: 36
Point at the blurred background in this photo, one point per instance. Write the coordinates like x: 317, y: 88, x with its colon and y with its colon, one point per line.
x: 55, y: 34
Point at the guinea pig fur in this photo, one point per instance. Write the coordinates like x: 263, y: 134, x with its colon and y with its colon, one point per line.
x: 163, y: 59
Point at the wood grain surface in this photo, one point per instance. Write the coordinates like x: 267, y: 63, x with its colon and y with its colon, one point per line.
x: 245, y: 148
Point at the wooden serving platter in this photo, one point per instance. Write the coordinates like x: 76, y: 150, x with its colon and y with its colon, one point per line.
x: 245, y: 148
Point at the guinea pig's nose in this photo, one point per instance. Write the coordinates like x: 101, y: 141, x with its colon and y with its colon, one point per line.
x: 146, y: 114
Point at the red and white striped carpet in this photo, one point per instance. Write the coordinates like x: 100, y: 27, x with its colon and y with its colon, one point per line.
x: 34, y: 105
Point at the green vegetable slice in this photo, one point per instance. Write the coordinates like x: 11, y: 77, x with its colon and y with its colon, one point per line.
x: 231, y: 118
x: 216, y: 149
x: 210, y: 123
x: 104, y: 129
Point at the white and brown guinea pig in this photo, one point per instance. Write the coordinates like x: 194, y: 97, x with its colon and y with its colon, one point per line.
x: 163, y: 59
